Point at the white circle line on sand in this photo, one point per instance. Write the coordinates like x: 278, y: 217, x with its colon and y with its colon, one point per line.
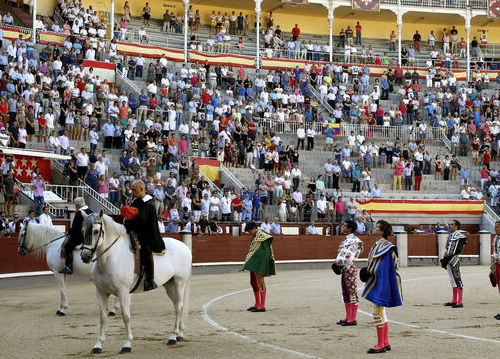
x: 216, y: 325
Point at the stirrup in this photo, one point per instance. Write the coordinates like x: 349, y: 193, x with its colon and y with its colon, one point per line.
x: 66, y: 270
x: 149, y: 285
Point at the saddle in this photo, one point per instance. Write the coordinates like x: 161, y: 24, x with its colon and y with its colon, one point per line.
x: 138, y: 267
x: 63, y: 251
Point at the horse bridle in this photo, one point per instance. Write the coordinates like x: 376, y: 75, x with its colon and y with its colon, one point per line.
x: 22, y: 238
x: 93, y: 250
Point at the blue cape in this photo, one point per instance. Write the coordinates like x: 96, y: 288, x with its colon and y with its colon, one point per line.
x: 383, y: 288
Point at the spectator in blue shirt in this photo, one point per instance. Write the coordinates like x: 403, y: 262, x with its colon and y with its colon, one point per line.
x: 91, y: 177
x: 256, y: 198
x: 247, y: 208
x: 275, y: 227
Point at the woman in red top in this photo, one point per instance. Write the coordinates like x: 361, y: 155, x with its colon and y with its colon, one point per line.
x: 3, y: 109
x: 437, y: 162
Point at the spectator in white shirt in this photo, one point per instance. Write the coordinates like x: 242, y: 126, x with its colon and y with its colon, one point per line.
x: 226, y: 207
x: 45, y: 217
x: 311, y: 229
x: 64, y: 142
x: 266, y: 226
x: 301, y: 135
x: 214, y: 206
x: 310, y: 138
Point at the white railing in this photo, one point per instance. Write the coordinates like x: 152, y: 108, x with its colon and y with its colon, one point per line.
x: 132, y: 87
x: 321, y: 99
x: 446, y: 142
x: 58, y: 17
x: 27, y: 190
x: 402, y: 132
x: 65, y: 192
x: 490, y: 212
x: 224, y: 170
x: 212, y: 185
x: 89, y: 191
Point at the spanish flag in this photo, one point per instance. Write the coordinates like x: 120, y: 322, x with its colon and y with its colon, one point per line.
x: 427, y: 207
x: 208, y: 168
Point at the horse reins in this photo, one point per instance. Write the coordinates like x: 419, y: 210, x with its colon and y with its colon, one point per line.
x: 35, y: 249
x: 93, y: 250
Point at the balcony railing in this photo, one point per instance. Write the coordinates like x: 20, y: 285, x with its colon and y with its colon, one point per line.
x: 89, y: 191
x: 27, y: 190
x: 402, y: 132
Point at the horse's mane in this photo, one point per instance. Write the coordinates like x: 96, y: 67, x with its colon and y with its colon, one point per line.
x: 40, y: 235
x: 110, y: 226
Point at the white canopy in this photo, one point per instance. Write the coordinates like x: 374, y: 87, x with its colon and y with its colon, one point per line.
x: 34, y: 153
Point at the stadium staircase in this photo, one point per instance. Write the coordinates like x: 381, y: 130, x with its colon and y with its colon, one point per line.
x: 22, y: 16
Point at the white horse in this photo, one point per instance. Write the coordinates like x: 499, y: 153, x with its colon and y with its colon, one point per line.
x: 38, y: 238
x: 113, y: 273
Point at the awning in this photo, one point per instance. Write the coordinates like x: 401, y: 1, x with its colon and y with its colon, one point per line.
x: 34, y: 153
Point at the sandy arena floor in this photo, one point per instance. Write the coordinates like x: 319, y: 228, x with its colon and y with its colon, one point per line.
x: 303, y: 307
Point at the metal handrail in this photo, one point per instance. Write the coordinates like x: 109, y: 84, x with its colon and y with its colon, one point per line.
x: 232, y: 177
x: 446, y: 142
x: 133, y: 87
x: 212, y: 185
x: 403, y: 132
x: 490, y: 212
x: 321, y: 99
x: 27, y: 190
x: 58, y: 17
x: 90, y: 191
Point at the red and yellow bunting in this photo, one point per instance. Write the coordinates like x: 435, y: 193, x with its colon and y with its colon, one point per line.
x: 427, y: 207
x: 233, y: 60
x: 52, y: 38
x: 11, y: 33
x: 149, y: 51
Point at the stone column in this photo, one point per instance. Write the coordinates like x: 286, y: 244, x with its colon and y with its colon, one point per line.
x: 111, y: 20
x: 484, y: 247
x: 467, y: 31
x: 330, y: 28
x: 186, y: 7
x: 257, y: 21
x: 402, y: 244
x: 399, y: 24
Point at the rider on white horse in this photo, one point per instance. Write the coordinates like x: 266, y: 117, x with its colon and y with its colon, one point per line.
x: 75, y: 234
x: 145, y: 226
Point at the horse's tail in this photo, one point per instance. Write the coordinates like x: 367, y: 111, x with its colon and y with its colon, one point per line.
x: 185, y: 304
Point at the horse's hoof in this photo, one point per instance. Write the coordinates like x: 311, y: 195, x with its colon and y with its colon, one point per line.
x: 180, y: 339
x: 60, y: 314
x: 111, y: 314
x: 96, y: 351
x: 125, y: 350
x: 171, y: 342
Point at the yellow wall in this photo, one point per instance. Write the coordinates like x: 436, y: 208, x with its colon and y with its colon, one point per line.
x: 45, y: 7
x: 319, y: 24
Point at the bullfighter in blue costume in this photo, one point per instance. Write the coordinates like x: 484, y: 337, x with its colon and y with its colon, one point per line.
x: 383, y: 283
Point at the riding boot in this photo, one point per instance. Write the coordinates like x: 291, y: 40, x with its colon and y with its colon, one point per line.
x: 149, y: 270
x: 68, y: 268
x: 133, y: 244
